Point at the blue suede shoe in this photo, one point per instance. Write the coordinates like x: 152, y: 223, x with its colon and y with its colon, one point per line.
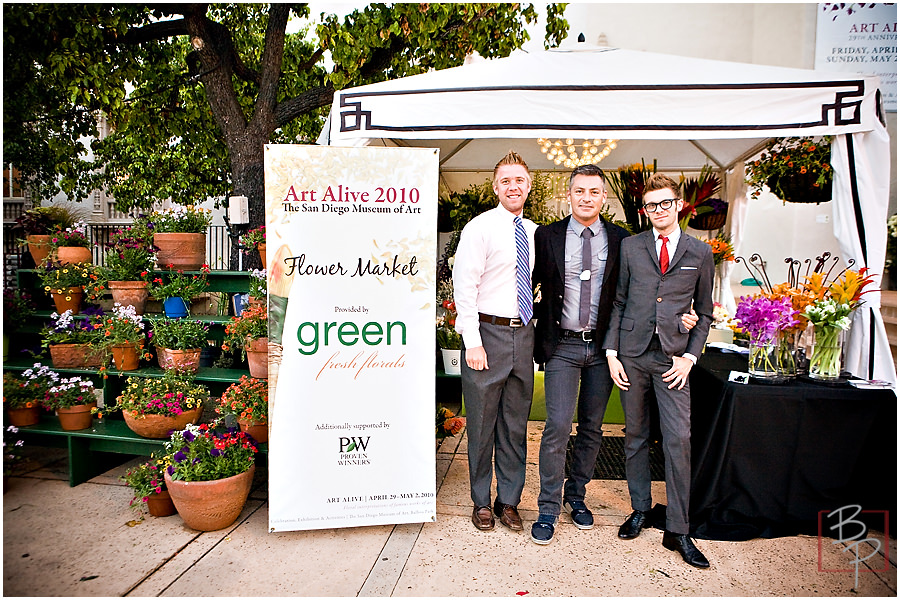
x: 581, y: 515
x: 542, y: 530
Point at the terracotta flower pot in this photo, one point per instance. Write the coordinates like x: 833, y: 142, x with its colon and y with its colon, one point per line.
x: 211, y: 505
x: 39, y: 247
x: 170, y: 359
x: 158, y: 427
x: 77, y: 417
x: 126, y: 357
x: 23, y: 417
x: 130, y: 293
x: 262, y: 254
x: 258, y: 357
x: 74, y: 254
x: 74, y: 356
x: 161, y: 505
x: 184, y: 251
x: 70, y: 299
x: 259, y: 431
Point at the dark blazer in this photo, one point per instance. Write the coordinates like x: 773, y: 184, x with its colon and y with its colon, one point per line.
x: 550, y: 272
x: 646, y: 299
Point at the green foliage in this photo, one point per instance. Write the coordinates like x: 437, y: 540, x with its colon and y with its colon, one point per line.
x: 145, y: 479
x: 170, y: 395
x: 208, y: 452
x: 179, y: 334
x: 479, y: 198
x: 627, y: 184
x: 43, y: 220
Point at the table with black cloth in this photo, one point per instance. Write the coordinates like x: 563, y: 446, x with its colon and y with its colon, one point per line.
x: 768, y: 458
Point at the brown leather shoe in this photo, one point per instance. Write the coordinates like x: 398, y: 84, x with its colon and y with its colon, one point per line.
x: 482, y: 518
x: 509, y: 516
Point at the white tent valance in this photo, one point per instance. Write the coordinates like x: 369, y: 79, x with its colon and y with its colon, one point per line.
x: 685, y: 112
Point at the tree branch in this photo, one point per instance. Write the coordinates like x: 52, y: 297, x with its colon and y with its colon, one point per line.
x: 312, y: 99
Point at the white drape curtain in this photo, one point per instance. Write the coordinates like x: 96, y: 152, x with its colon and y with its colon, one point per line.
x: 739, y: 203
x: 865, y: 157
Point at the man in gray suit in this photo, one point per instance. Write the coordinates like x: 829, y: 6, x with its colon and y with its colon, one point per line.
x: 662, y: 273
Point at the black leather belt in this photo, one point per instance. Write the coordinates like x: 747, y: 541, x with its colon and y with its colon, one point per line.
x: 504, y: 321
x: 584, y: 336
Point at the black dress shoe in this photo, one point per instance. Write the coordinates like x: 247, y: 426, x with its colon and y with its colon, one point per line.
x: 683, y: 545
x: 631, y: 528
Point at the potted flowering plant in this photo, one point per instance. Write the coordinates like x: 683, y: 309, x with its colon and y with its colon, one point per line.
x: 209, y: 474
x: 35, y: 226
x: 148, y: 483
x: 255, y: 239
x: 122, y: 334
x: 129, y: 262
x: 258, y: 286
x: 176, y: 289
x: 68, y: 284
x: 248, y: 401
x: 449, y: 341
x: 72, y: 399
x: 179, y: 342
x: 696, y: 192
x: 764, y: 319
x: 39, y: 379
x: 180, y: 235
x: 72, y: 244
x: 17, y: 308
x: 250, y: 332
x: 794, y: 169
x: 153, y: 408
x: 73, y: 343
x: 20, y: 401
x: 447, y: 424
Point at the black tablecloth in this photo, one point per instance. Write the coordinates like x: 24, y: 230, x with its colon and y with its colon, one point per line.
x: 768, y: 458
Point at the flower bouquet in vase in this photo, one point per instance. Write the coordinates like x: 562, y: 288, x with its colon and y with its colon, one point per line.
x: 209, y: 474
x: 153, y: 408
x: 449, y: 341
x: 248, y: 401
x: 763, y: 320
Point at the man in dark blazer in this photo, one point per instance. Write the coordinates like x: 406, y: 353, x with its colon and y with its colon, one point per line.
x: 663, y: 272
x: 576, y: 268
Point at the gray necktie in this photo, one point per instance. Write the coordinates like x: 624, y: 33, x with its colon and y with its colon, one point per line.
x: 584, y: 312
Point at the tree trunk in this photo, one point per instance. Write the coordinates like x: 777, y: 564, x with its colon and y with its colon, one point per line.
x: 248, y: 178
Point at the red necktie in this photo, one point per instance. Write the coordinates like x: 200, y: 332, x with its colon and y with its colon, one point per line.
x: 663, y: 255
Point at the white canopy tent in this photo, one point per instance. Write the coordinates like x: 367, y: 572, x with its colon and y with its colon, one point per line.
x: 684, y: 112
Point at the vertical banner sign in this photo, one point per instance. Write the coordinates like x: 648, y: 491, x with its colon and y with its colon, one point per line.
x: 351, y: 236
x: 860, y: 38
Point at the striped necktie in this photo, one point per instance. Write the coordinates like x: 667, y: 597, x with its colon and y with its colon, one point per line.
x: 523, y: 273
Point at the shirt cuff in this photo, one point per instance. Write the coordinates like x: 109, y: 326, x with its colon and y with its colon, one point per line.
x: 690, y: 356
x: 611, y: 352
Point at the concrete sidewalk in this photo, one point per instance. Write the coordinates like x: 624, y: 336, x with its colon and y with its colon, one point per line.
x: 85, y: 541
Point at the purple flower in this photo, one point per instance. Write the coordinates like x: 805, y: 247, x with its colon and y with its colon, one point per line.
x: 170, y: 470
x: 196, y: 461
x: 178, y: 457
x: 188, y: 436
x: 215, y: 452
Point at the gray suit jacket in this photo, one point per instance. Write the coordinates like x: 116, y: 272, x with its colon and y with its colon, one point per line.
x: 647, y: 300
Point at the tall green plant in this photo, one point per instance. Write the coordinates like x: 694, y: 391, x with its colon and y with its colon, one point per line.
x: 627, y: 184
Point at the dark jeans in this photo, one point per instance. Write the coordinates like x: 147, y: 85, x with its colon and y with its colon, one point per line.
x: 572, y: 361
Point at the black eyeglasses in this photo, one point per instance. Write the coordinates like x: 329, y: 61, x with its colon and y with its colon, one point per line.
x: 651, y: 207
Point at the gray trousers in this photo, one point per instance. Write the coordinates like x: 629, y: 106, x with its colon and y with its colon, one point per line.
x: 498, y: 400
x: 675, y: 422
x: 573, y: 360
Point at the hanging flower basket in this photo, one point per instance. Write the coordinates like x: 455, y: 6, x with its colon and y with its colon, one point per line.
x: 799, y: 188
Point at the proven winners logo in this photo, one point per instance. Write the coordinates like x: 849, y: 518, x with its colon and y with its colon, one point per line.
x: 353, y: 451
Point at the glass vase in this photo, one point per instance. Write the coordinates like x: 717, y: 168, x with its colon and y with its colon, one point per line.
x: 762, y: 361
x: 785, y: 363
x: 826, y: 359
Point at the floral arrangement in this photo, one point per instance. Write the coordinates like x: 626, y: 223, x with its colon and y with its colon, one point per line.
x: 788, y: 157
x: 66, y: 329
x: 17, y: 393
x: 12, y: 449
x: 145, y: 480
x: 169, y: 396
x: 124, y: 326
x: 447, y: 424
x: 179, y: 285
x: 248, y: 400
x: 722, y: 249
x: 445, y: 321
x: 39, y: 379
x: 253, y: 324
x: 258, y: 286
x: 696, y: 192
x: 722, y: 318
x: 208, y: 452
x: 74, y: 235
x: 181, y: 219
x: 42, y: 220
x: 764, y: 320
x: 70, y: 392
x: 179, y: 334
x: 57, y: 278
x: 130, y: 254
x: 252, y: 239
x: 17, y: 308
x: 627, y: 183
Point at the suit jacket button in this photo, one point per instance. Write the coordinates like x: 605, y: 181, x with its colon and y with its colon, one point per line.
x: 659, y: 299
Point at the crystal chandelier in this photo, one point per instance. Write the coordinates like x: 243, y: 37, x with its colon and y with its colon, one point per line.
x: 566, y: 153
